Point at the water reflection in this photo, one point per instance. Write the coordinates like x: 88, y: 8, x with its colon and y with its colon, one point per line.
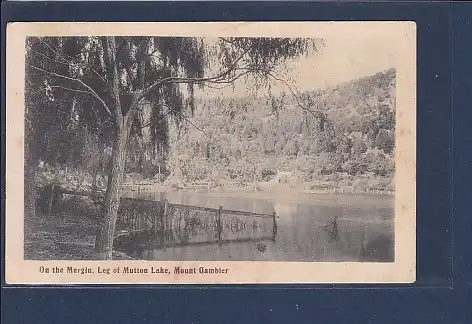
x: 309, y: 229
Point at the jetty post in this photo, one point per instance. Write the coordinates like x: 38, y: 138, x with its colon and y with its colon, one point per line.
x: 219, y: 225
x: 163, y: 216
x: 274, y: 226
x: 51, y: 199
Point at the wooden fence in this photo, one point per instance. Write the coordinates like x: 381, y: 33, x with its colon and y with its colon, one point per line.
x: 139, y: 187
x: 165, y: 224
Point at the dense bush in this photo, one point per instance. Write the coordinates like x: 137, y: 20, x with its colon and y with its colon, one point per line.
x: 360, y: 140
x: 268, y: 174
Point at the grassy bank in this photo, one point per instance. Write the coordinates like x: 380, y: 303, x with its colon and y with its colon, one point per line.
x: 62, y: 236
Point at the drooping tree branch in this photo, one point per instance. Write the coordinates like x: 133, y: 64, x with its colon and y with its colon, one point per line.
x: 69, y: 62
x: 188, y: 121
x: 219, y: 78
x: 149, y: 123
x: 317, y: 114
x: 295, y: 94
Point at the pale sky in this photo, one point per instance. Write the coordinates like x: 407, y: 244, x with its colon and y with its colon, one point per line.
x: 341, y: 60
x: 346, y: 59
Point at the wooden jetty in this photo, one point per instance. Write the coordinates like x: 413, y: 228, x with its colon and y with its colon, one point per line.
x: 165, y: 224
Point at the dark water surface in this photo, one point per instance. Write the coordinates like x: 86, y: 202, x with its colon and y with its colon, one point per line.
x: 323, y: 228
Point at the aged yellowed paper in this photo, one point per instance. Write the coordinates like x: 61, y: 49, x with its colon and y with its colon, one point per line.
x: 245, y: 152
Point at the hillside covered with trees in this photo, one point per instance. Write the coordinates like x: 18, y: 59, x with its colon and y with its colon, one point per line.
x: 260, y: 142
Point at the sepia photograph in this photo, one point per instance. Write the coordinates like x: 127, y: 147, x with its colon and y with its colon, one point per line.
x: 211, y: 153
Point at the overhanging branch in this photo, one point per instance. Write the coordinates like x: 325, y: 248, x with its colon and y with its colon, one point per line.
x: 71, y: 89
x: 188, y: 121
x: 219, y: 78
x: 315, y: 114
x: 91, y: 91
x: 67, y: 61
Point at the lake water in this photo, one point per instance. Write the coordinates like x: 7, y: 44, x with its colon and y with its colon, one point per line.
x: 311, y: 227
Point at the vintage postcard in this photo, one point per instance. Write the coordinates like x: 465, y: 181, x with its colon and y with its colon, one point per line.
x: 211, y: 153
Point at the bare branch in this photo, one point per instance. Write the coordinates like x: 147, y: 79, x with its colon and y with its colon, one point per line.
x: 318, y: 115
x: 218, y: 88
x: 68, y: 61
x: 56, y: 52
x: 79, y: 91
x: 188, y: 121
x: 78, y: 81
x: 219, y: 78
x: 214, y: 80
x: 71, y: 89
x: 315, y: 114
x: 50, y: 59
x: 35, y: 92
x: 147, y: 124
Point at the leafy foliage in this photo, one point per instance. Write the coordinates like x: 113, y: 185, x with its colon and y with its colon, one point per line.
x: 259, y: 141
x: 68, y: 86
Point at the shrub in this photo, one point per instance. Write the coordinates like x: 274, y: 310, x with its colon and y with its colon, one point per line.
x: 268, y: 174
x: 385, y: 141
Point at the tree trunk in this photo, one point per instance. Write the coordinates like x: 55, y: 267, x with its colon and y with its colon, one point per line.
x: 106, y: 231
x: 31, y: 165
x: 99, y: 172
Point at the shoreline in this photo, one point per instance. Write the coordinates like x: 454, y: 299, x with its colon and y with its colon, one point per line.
x: 339, y: 184
x: 62, y: 236
x: 305, y: 198
x: 261, y: 188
